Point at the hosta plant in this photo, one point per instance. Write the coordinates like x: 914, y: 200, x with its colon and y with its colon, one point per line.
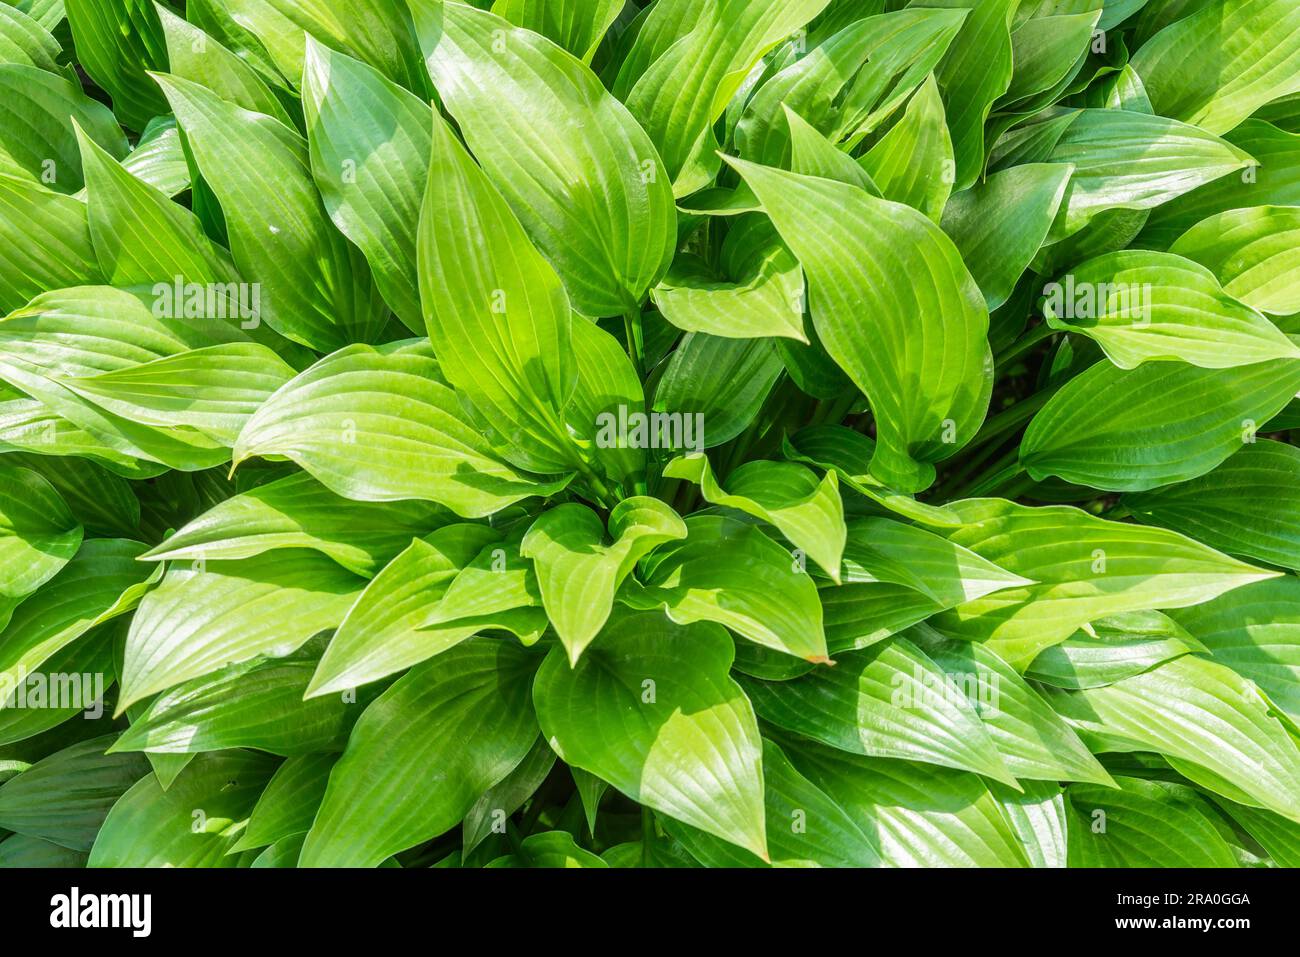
x: 698, y: 432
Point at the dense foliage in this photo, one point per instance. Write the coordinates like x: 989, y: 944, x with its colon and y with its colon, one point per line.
x: 697, y: 432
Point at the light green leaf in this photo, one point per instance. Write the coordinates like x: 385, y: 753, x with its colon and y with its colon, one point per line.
x: 205, y: 615
x: 924, y: 363
x: 1254, y: 252
x: 38, y: 534
x: 44, y: 241
x: 117, y: 41
x: 1117, y: 647
x: 913, y: 163
x: 392, y: 790
x: 380, y: 426
x: 289, y: 803
x: 576, y: 25
x: 578, y: 574
x: 1144, y: 306
x: 1163, y: 422
x: 712, y: 389
x: 650, y: 709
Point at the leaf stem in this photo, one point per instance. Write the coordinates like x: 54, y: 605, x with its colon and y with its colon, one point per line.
x: 635, y: 334
x: 1023, y: 345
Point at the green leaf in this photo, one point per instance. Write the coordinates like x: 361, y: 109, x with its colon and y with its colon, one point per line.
x: 289, y: 803
x: 975, y: 72
x: 205, y: 615
x: 716, y: 386
x: 316, y: 286
x: 729, y: 572
x: 550, y: 849
x: 1143, y: 824
x: 194, y: 823
x: 913, y: 163
x: 24, y: 40
x: 887, y: 701
x: 497, y: 803
x: 252, y: 704
x: 684, y: 86
x: 1037, y: 815
x: 1247, y: 506
x: 806, y: 511
x: 1253, y: 253
x: 44, y: 241
x: 395, y: 623
x: 576, y: 25
x: 380, y: 426
x: 65, y: 797
x: 1128, y: 160
x: 1084, y: 568
x: 1163, y: 422
x: 1117, y: 647
x: 117, y: 42
x: 1144, y: 306
x: 921, y: 815
x: 1214, y: 68
x: 38, y: 534
x: 1280, y: 837
x: 496, y: 312
x: 371, y: 174
x: 650, y: 709
x: 578, y: 574
x: 1201, y: 714
x: 1044, y: 50
x: 805, y: 827
x: 1255, y: 631
x: 927, y: 400
x: 100, y: 582
x: 814, y: 155
x: 999, y: 224
x: 581, y: 175
x: 393, y: 790
x: 38, y: 114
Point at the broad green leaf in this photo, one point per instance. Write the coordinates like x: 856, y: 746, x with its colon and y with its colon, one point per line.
x: 489, y: 813
x: 887, y: 701
x: 651, y: 709
x: 38, y: 113
x: 710, y: 392
x: 65, y: 797
x: 848, y: 84
x: 117, y: 42
x: 927, y: 399
x: 1249, y: 505
x: 38, y: 533
x: 729, y: 572
x: 299, y: 512
x: 158, y: 159
x: 1217, y: 66
x: 578, y: 574
x: 44, y: 241
x: 497, y: 315
x: 100, y: 582
x: 1254, y: 252
x: 1163, y: 422
x: 213, y: 390
x: 1000, y: 223
x: 316, y: 286
x: 20, y: 851
x: 757, y: 292
x: 607, y: 383
x: 1255, y: 631
x: 1144, y: 306
x: 806, y: 511
x: 1273, y: 179
x: 380, y: 426
x: 576, y: 25
x: 194, y: 823
x: 581, y: 175
x: 206, y: 615
x: 686, y: 84
x: 975, y: 72
x: 252, y: 704
x: 391, y: 789
x: 394, y: 624
x: 370, y: 142
x: 1037, y: 815
x: 1278, y: 836
x: 1084, y: 568
x: 194, y: 55
x: 812, y: 154
x: 1201, y: 714
x: 913, y: 163
x: 920, y: 814
x: 82, y: 717
x: 805, y: 828
x: 24, y: 40
x: 1117, y: 647
x: 1143, y: 824
x: 1032, y: 739
x: 97, y: 498
x: 1045, y: 48
x: 289, y: 803
x: 1128, y: 160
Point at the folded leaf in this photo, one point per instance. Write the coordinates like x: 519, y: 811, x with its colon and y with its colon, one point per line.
x: 38, y: 534
x: 1253, y: 252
